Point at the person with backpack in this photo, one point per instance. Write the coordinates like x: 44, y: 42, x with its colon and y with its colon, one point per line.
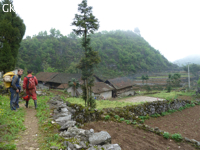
x: 30, y: 82
x: 15, y: 89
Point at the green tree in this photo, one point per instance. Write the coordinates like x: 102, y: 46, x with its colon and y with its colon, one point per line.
x: 12, y: 30
x: 86, y: 23
x: 74, y: 84
x: 146, y: 78
x: 198, y: 83
x: 143, y: 78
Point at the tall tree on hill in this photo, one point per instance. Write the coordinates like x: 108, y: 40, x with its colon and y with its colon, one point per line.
x: 86, y: 24
x: 12, y: 30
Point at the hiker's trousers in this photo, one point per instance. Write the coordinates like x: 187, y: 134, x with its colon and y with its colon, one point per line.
x: 32, y: 94
x: 14, y: 99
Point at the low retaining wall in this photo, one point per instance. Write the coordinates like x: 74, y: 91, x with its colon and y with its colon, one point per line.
x: 131, y: 112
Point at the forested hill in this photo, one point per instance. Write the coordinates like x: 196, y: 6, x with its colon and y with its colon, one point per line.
x: 121, y: 52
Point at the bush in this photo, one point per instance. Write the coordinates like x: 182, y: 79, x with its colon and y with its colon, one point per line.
x: 121, y: 119
x: 116, y: 117
x: 107, y: 117
x: 166, y: 135
x: 177, y: 137
x: 127, y: 121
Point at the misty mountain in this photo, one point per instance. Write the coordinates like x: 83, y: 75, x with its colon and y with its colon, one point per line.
x: 191, y: 58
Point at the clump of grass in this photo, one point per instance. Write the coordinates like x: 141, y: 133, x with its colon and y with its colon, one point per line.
x: 127, y: 121
x: 107, y: 117
x: 177, y: 137
x: 121, y: 119
x: 166, y: 135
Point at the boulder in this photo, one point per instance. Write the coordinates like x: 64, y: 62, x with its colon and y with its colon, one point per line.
x: 100, y: 138
x: 64, y: 119
x: 68, y: 124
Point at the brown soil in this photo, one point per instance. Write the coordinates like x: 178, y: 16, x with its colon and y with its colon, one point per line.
x: 28, y: 140
x: 185, y: 97
x: 130, y: 137
x: 185, y: 122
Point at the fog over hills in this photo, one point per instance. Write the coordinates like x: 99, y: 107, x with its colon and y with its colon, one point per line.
x: 195, y: 58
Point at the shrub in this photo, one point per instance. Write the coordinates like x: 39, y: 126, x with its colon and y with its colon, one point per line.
x: 166, y: 135
x: 107, y: 117
x: 127, y: 121
x: 134, y: 122
x: 177, y: 137
x: 121, y: 119
x: 116, y: 117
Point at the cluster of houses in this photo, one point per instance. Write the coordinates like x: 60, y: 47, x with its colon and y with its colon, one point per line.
x: 102, y: 89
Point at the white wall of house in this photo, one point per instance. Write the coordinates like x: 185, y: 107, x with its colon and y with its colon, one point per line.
x: 126, y: 93
x: 41, y: 86
x: 71, y: 91
x: 106, y: 95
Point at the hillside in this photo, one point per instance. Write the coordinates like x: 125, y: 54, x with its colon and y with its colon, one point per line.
x: 121, y: 52
x: 192, y: 59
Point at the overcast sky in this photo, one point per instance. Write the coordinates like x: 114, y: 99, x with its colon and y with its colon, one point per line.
x: 170, y: 26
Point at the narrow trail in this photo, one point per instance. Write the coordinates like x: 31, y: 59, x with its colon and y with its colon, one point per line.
x: 28, y: 140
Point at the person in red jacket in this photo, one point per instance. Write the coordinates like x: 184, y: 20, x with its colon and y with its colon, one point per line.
x: 30, y: 80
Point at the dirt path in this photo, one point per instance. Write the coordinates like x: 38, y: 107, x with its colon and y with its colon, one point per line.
x: 140, y: 99
x: 28, y: 140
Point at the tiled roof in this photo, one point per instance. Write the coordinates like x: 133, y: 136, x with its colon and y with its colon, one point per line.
x: 100, y: 87
x: 45, y: 76
x: 120, y: 83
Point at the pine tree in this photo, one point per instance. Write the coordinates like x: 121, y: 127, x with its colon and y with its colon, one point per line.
x: 12, y: 30
x: 86, y: 24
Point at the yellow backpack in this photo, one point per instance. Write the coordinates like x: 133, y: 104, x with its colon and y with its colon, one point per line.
x: 7, y: 79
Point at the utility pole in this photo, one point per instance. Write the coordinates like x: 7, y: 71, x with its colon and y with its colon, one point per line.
x: 188, y: 75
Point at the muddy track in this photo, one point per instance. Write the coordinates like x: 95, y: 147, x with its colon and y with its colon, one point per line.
x: 28, y: 138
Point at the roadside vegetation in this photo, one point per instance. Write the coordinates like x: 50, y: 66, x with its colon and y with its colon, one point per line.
x: 11, y: 124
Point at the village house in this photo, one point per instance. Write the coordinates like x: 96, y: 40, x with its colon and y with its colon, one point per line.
x: 102, y: 90
x: 48, y: 80
x: 123, y: 86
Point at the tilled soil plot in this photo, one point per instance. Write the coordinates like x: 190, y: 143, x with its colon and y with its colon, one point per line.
x: 132, y: 138
x: 185, y: 122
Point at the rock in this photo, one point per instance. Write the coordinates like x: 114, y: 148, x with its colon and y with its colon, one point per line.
x: 111, y: 147
x: 68, y: 124
x: 106, y: 147
x: 156, y: 129
x: 77, y: 146
x: 92, y: 130
x: 82, y: 144
x: 54, y: 148
x: 188, y: 140
x: 64, y: 110
x: 70, y: 145
x: 100, y: 138
x: 64, y: 119
x: 65, y: 143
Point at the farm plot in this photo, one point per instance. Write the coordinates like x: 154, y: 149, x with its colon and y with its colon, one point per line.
x: 185, y: 122
x: 129, y: 137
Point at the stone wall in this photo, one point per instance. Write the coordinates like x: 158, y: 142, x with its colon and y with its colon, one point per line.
x: 131, y: 112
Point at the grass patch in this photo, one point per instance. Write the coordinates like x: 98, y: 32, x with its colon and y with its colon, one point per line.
x: 102, y: 103
x: 171, y: 95
x: 11, y: 123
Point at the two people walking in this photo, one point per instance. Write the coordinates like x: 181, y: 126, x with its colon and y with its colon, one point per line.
x: 29, y: 84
